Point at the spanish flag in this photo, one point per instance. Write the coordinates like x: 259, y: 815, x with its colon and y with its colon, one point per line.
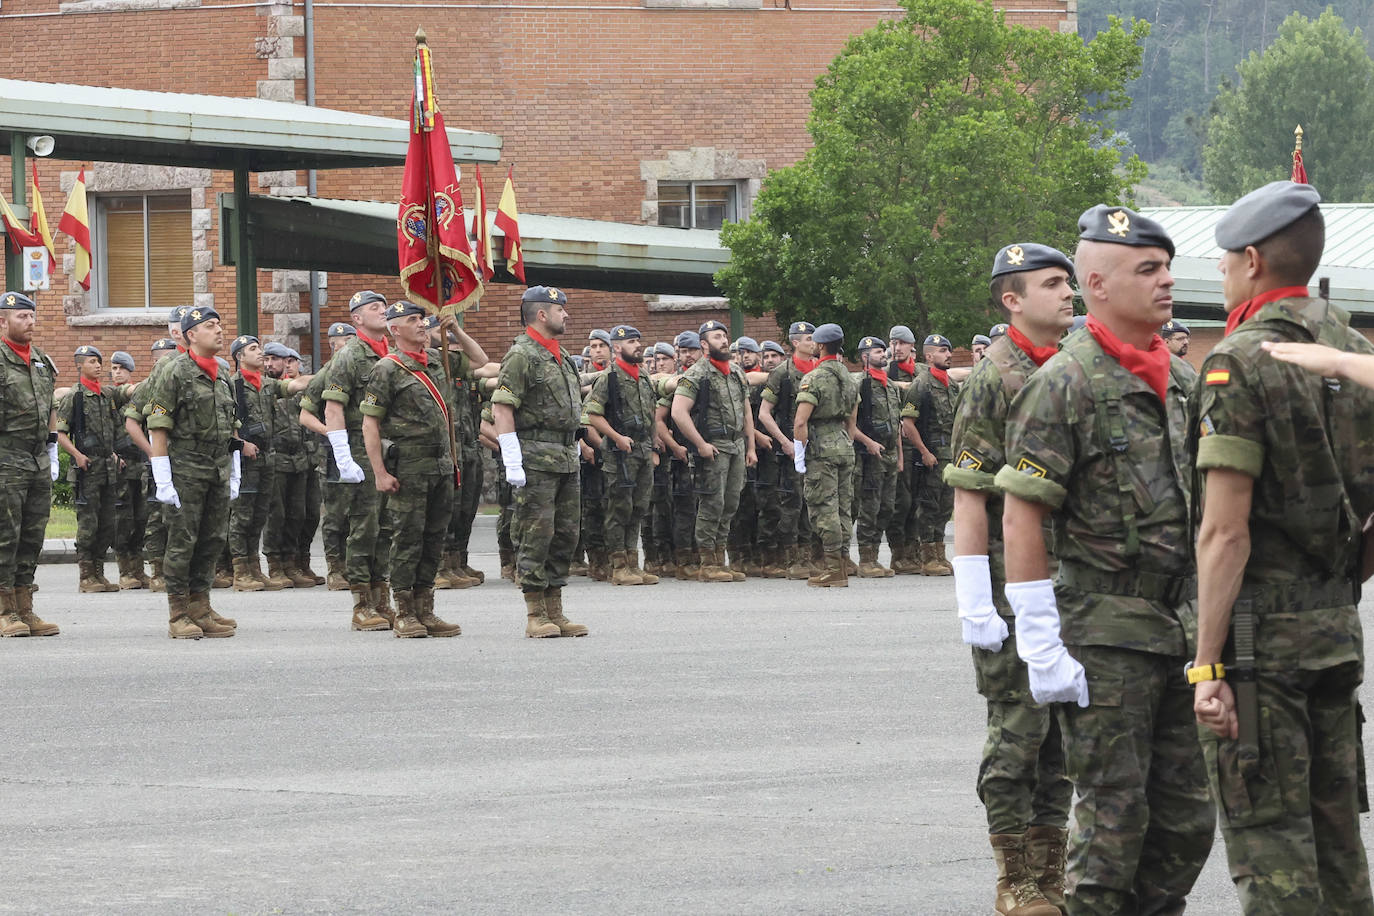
x: 39, y: 220
x: 76, y: 224
x: 19, y: 236
x: 481, y: 230
x: 508, y: 221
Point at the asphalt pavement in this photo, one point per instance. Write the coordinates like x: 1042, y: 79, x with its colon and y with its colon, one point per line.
x: 760, y: 747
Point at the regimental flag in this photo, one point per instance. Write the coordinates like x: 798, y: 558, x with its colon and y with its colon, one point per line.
x: 76, y: 224
x: 18, y: 236
x: 437, y: 268
x: 508, y: 221
x: 38, y: 219
x: 1299, y: 175
x: 481, y: 231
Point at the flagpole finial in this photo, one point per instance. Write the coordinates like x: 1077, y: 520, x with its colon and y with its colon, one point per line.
x: 420, y: 36
x: 1297, y: 136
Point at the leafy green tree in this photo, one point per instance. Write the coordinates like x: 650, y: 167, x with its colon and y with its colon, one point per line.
x: 1317, y: 74
x: 939, y: 137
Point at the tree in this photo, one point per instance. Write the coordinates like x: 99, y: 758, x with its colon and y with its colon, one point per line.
x: 1317, y: 74
x: 939, y: 137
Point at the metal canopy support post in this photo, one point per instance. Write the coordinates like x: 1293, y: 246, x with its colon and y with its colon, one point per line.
x: 245, y: 264
x: 14, y: 260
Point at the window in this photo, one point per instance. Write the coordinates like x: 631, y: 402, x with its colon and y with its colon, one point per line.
x: 143, y: 251
x: 697, y: 204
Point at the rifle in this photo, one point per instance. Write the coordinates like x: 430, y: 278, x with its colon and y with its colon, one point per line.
x: 785, y: 484
x: 865, y: 423
x: 79, y: 440
x: 615, y: 406
x: 248, y: 432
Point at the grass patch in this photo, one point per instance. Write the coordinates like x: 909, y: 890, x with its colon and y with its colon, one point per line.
x: 62, y: 523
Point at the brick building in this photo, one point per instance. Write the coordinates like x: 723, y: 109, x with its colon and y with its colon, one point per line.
x: 635, y: 111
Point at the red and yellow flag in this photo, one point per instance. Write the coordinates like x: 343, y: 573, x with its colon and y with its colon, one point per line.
x: 76, y: 224
x: 508, y: 221
x: 18, y: 236
x: 437, y: 268
x: 481, y: 231
x: 38, y: 220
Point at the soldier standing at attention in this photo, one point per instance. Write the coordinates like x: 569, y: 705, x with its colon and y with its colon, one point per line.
x: 979, y: 347
x: 773, y: 556
x: 927, y: 422
x: 776, y: 412
x: 684, y: 487
x: 621, y: 408
x: 1280, y: 653
x: 310, y: 504
x: 823, y: 450
x: 135, y: 418
x: 878, y: 454
x: 28, y: 426
x: 902, y: 534
x: 536, y: 409
x: 591, y: 538
x: 1021, y: 780
x: 711, y: 410
x: 406, y: 403
x: 1097, y: 438
x: 131, y: 504
x: 333, y: 494
x: 657, y: 529
x: 292, y: 476
x: 192, y: 427
x: 749, y: 545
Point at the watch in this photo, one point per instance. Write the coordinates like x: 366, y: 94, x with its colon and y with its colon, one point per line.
x: 1200, y: 673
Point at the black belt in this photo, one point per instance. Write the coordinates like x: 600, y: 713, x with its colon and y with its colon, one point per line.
x: 547, y: 435
x: 1131, y: 583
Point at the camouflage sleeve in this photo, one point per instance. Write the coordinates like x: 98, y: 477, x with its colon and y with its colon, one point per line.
x: 661, y: 396
x: 280, y: 387
x: 342, y: 369
x: 978, y: 440
x: 1040, y: 436
x: 687, y: 384
x: 380, y: 389
x: 595, y: 404
x: 911, y: 398
x: 805, y: 392
x: 513, y: 380
x: 162, y: 401
x: 64, y: 410
x: 311, y: 397
x: 774, y: 384
x: 1230, y: 418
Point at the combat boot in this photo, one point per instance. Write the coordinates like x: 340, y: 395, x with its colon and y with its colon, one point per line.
x: 710, y: 566
x: 11, y: 624
x: 155, y: 581
x: 23, y: 600
x: 768, y: 564
x: 579, y: 565
x: 632, y: 560
x: 684, y: 566
x: 833, y: 576
x: 869, y: 567
x: 1017, y: 892
x: 405, y: 625
x: 130, y: 572
x: 244, y: 580
x: 381, y: 601
x: 88, y: 582
x: 553, y: 607
x: 933, y: 561
x: 365, y: 617
x: 198, y: 605
x: 335, y: 577
x: 276, y: 579
x: 198, y: 609
x: 904, y: 561
x: 424, y: 612
x: 507, y: 560
x: 468, y: 570
x: 735, y: 567
x: 850, y: 567
x: 303, y: 564
x: 1046, y: 851
x: 797, y: 567
x: 179, y: 625
x: 537, y: 622
x: 621, y: 574
x: 291, y: 571
x: 224, y: 574
x: 441, y: 575
x: 599, y: 565
x: 457, y: 577
x: 98, y: 567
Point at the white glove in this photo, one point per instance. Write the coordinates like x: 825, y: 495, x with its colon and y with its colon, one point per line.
x: 1055, y: 675
x: 349, y: 472
x: 983, y: 626
x: 52, y: 460
x: 799, y: 455
x: 513, y: 459
x: 235, y: 474
x: 162, y: 476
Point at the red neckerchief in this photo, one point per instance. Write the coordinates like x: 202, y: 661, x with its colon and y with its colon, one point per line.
x: 91, y: 386
x: 909, y: 367
x: 252, y: 378
x: 879, y: 375
x: 631, y: 369
x: 422, y: 357
x: 21, y: 352
x: 804, y: 365
x: 1150, y: 366
x: 546, y: 343
x: 599, y: 366
x: 722, y: 364
x: 180, y: 348
x: 1241, y: 313
x: 209, y: 364
x: 940, y: 375
x: 1038, y: 355
x: 377, y: 346
x: 828, y: 356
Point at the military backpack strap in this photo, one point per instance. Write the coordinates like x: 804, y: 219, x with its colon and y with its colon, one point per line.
x: 1110, y: 423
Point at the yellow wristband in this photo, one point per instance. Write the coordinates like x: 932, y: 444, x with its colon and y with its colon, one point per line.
x: 1196, y: 675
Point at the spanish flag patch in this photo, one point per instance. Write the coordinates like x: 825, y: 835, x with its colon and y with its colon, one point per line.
x: 1217, y: 376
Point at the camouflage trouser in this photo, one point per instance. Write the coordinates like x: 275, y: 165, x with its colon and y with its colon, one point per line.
x: 829, y: 489
x: 684, y: 506
x: 25, y: 502
x: 334, y: 518
x: 367, y: 556
x: 626, y: 506
x: 1021, y: 779
x: 285, y: 512
x: 310, y: 513
x: 782, y: 506
x: 873, y: 498
x: 1143, y: 822
x: 719, y: 482
x: 758, y: 534
x: 155, y: 532
x: 1292, y: 830
x: 744, y: 527
x: 591, y: 531
x: 248, y: 513
x: 96, y: 521
x: 544, y: 528
x: 418, y: 515
x: 505, y: 500
x: 901, y: 524
x: 658, y: 534
x: 131, y: 518
x: 935, y: 504
x: 465, y: 502
x: 195, y: 533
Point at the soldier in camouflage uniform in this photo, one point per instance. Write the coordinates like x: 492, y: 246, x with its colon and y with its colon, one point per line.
x: 591, y: 537
x: 1097, y: 439
x: 902, y: 533
x: 293, y: 477
x: 1021, y: 780
x: 407, y: 419
x: 87, y: 426
x: 823, y: 450
x: 192, y: 426
x: 784, y: 508
x: 711, y: 410
x: 311, y: 503
x: 928, y: 414
x: 878, y: 454
x: 1285, y: 459
x: 537, y: 409
x: 135, y: 420
x: 749, y: 542
x: 683, y: 486
x: 333, y: 495
x: 621, y: 408
x: 28, y: 436
x: 658, y: 527
x: 131, y: 504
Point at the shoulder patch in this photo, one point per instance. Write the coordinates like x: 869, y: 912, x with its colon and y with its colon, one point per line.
x: 370, y: 400
x: 1218, y: 376
x: 158, y: 410
x: 1030, y: 468
x: 970, y: 461
x: 1205, y: 428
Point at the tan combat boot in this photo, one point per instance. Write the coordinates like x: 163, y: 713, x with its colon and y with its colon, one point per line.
x: 179, y: 625
x: 441, y: 575
x: 850, y: 567
x: 709, y: 568
x: 468, y: 570
x: 632, y: 560
x: 406, y: 625
x: 599, y: 565
x: 904, y: 562
x: 303, y: 564
x: 770, y: 566
x: 1017, y: 892
x: 98, y: 568
x: 199, y: 604
x: 834, y: 575
x: 620, y: 571
x: 130, y: 572
x: 1047, y: 848
x: 381, y: 601
x: 869, y: 568
x: 537, y: 622
x: 507, y: 560
x: 684, y: 568
x: 87, y: 581
x: 291, y: 571
x: 453, y: 569
x: 244, y: 580
x: 335, y: 577
x: 933, y: 561
x: 224, y: 574
x: 198, y: 609
x: 11, y: 624
x: 23, y: 599
x: 424, y: 612
x: 553, y: 607
x: 155, y: 581
x: 797, y: 567
x: 736, y: 564
x: 364, y: 616
x: 579, y: 565
x: 277, y: 578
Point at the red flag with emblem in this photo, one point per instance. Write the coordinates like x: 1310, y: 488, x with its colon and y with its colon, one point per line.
x: 437, y: 267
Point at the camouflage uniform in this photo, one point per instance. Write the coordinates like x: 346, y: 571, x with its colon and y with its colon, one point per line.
x: 626, y: 506
x: 785, y: 512
x: 96, y: 515
x: 1021, y: 779
x: 131, y: 504
x: 875, y: 479
x: 258, y: 417
x: 334, y: 496
x: 295, y: 488
x: 901, y: 524
x: 1091, y: 441
x: 718, y: 481
x: 155, y: 527
x: 832, y: 392
x: 681, y: 511
x: 25, y: 476
x: 658, y: 527
x: 934, y: 499
x: 749, y: 541
x: 1291, y: 823
x: 468, y: 496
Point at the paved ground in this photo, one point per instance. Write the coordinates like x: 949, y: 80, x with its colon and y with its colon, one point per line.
x: 751, y: 748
